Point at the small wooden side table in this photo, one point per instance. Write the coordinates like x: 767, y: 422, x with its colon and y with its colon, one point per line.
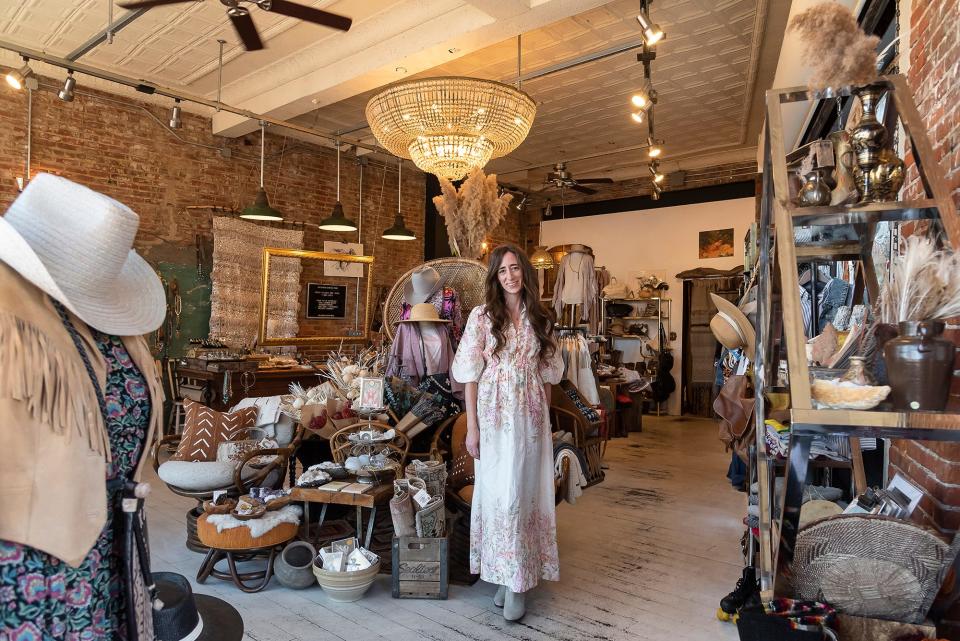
x: 376, y: 496
x: 236, y: 545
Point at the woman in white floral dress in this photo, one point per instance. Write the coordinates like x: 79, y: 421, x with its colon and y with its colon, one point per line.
x: 508, y: 360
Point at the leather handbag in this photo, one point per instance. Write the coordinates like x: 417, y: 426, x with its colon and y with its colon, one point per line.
x: 735, y: 405
x: 615, y: 289
x: 618, y: 310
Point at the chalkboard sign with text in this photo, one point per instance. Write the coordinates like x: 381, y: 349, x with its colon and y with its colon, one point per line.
x: 326, y: 301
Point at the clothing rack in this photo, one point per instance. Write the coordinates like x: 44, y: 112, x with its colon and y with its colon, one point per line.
x: 563, y: 330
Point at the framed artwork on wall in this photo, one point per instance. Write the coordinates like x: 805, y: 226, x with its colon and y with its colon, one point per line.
x: 342, y: 268
x: 716, y: 243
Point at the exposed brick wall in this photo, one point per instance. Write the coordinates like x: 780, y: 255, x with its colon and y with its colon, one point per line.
x: 934, y: 78
x: 113, y: 146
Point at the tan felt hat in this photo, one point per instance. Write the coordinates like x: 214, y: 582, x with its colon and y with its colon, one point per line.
x: 731, y: 327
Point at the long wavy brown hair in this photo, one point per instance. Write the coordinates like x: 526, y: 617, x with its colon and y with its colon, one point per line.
x: 540, y: 319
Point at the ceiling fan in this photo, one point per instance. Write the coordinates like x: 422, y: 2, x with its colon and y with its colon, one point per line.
x: 563, y: 179
x: 243, y: 22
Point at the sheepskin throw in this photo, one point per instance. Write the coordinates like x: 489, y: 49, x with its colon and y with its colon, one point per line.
x: 258, y: 527
x: 235, y: 296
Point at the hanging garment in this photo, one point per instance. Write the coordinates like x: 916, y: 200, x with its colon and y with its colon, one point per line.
x: 513, y: 535
x: 576, y: 480
x: 578, y: 367
x: 413, y: 359
x: 832, y: 298
x: 576, y: 283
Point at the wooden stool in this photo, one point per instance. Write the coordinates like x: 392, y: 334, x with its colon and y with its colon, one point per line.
x: 236, y: 545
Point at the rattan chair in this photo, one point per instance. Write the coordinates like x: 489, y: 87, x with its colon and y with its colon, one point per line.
x: 245, y: 476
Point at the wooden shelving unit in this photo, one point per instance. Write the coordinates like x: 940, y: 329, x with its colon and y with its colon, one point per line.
x: 780, y: 324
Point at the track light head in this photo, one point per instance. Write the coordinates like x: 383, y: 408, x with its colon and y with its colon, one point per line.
x: 17, y: 78
x: 637, y: 116
x: 175, y: 122
x: 652, y: 33
x: 66, y: 94
x: 655, y: 174
x: 654, y: 150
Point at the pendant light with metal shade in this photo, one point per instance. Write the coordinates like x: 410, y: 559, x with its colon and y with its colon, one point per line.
x: 399, y: 230
x: 261, y: 209
x: 541, y: 258
x: 337, y: 221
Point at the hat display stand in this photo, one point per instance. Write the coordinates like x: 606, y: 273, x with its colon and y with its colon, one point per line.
x: 464, y: 275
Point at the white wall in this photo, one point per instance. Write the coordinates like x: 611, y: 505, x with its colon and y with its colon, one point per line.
x: 663, y: 240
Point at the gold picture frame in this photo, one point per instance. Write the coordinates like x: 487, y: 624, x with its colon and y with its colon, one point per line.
x: 364, y: 325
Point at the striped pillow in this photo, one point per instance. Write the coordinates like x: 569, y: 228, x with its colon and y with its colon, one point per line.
x: 204, y: 429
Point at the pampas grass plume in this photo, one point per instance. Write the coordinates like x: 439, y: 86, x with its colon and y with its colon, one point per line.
x: 472, y: 212
x: 839, y: 52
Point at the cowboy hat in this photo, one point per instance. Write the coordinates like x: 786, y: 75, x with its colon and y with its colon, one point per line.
x: 194, y: 617
x: 423, y: 313
x: 75, y: 245
x: 731, y: 326
x: 422, y: 285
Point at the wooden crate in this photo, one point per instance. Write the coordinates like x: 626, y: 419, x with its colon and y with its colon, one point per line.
x: 420, y: 568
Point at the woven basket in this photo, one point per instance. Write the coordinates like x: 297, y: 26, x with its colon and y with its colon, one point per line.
x: 464, y: 275
x: 870, y: 566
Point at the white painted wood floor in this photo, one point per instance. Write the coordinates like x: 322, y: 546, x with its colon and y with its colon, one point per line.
x: 647, y: 554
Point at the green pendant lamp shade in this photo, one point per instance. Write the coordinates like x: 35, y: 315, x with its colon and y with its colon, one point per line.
x: 261, y: 209
x: 337, y: 221
x: 399, y: 230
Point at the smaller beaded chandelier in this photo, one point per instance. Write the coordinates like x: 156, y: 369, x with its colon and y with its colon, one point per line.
x: 449, y: 126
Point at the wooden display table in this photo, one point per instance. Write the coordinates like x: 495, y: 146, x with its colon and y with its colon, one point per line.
x: 374, y: 497
x: 266, y: 382
x: 236, y: 545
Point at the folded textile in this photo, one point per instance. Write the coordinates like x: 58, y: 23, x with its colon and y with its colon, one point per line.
x: 576, y: 481
x: 258, y: 527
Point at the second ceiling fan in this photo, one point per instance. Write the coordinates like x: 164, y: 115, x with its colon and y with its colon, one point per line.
x: 243, y: 23
x: 560, y: 178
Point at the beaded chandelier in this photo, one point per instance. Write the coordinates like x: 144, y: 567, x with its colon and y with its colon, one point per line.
x: 450, y: 125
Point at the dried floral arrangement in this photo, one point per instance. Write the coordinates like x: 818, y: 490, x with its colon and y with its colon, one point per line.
x: 471, y: 212
x: 344, y: 372
x: 839, y: 52
x: 925, y: 284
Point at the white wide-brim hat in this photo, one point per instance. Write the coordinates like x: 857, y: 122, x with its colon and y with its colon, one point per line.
x: 732, y: 328
x: 421, y: 286
x: 75, y: 244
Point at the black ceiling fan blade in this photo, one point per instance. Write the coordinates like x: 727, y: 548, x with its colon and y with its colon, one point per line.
x: 317, y: 16
x: 599, y: 181
x: 583, y: 190
x: 147, y: 4
x: 247, y: 31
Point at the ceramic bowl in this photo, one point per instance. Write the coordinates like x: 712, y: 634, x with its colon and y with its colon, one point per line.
x: 346, y: 586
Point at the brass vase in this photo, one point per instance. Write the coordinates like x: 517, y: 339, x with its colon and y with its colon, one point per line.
x: 869, y: 139
x: 887, y: 177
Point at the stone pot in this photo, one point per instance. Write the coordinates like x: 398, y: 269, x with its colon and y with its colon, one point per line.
x: 919, y: 366
x: 294, y: 567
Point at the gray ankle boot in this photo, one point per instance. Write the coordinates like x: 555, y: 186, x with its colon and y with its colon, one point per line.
x: 499, y: 597
x: 514, y: 606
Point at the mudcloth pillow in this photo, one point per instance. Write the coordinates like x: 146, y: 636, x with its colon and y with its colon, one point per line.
x: 204, y: 429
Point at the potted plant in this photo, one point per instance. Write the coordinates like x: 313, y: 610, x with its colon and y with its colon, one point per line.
x: 923, y: 291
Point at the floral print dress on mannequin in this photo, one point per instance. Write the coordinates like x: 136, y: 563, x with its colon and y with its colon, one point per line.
x: 513, y: 535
